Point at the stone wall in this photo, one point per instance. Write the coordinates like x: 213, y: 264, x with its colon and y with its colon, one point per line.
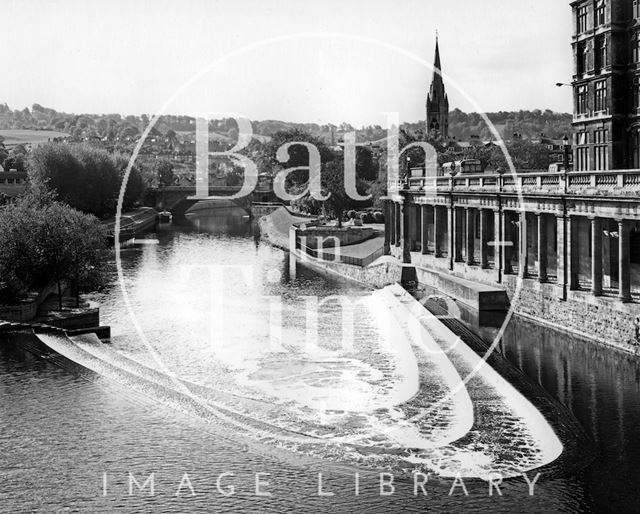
x: 604, y: 319
x: 329, y: 237
x: 274, y: 227
x: 21, y: 312
x: 263, y: 209
x: 383, y: 272
x: 86, y: 318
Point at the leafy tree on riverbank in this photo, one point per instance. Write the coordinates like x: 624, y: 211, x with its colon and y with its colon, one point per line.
x: 267, y: 161
x: 84, y: 177
x: 333, y: 183
x: 136, y: 184
x: 43, y: 240
x: 163, y: 170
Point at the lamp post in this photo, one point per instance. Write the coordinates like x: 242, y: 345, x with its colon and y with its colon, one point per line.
x: 565, y: 155
x: 565, y: 152
x: 406, y: 177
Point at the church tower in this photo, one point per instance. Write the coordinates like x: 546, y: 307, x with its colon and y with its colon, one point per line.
x: 437, y: 101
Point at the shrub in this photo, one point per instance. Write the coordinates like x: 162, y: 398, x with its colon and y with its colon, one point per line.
x: 366, y: 217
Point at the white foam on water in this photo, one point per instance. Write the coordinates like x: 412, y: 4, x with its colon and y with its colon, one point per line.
x: 539, y: 432
x: 336, y: 380
x: 399, y: 395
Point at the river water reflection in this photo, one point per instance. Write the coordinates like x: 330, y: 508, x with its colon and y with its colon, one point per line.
x: 60, y: 433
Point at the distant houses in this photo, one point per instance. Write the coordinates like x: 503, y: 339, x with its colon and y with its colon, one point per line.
x: 12, y: 182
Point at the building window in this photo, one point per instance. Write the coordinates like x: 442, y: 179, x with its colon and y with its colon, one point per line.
x: 635, y: 148
x: 582, y: 138
x: 600, y: 14
x: 601, y: 156
x: 601, y: 53
x: 601, y: 96
x: 581, y: 57
x: 583, y: 19
x: 635, y: 47
x: 636, y: 8
x: 583, y: 159
x: 636, y: 92
x: 581, y: 99
x: 582, y: 151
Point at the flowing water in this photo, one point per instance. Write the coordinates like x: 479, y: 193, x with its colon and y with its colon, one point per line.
x: 291, y: 375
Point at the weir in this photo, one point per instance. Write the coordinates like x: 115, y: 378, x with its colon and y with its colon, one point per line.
x: 434, y: 425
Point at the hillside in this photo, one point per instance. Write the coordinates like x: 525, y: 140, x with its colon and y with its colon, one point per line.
x: 110, y: 126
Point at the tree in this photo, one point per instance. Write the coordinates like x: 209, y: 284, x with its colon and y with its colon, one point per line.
x: 135, y: 185
x: 163, y: 169
x: 298, y: 154
x: 378, y: 190
x: 82, y: 176
x: 69, y: 246
x: 14, y: 162
x: 333, y: 183
x: 234, y: 176
x: 172, y: 137
x: 54, y: 167
x: 365, y: 167
x: 86, y: 245
x: 524, y: 154
x: 18, y: 260
x: 46, y: 240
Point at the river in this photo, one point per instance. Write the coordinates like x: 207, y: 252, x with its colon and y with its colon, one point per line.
x: 72, y: 441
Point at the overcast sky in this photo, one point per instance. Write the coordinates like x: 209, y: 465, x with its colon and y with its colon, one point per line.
x: 133, y: 56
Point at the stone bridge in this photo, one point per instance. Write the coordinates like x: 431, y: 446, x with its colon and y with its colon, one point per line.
x: 178, y: 199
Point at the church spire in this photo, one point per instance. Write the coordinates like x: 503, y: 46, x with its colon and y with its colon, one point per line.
x: 437, y: 101
x: 436, y: 61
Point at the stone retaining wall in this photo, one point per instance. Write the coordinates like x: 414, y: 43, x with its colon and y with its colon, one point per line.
x: 603, y: 319
x: 381, y: 273
x: 329, y: 237
x: 20, y: 312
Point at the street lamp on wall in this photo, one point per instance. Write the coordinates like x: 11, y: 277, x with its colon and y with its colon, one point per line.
x: 565, y: 152
x: 406, y: 177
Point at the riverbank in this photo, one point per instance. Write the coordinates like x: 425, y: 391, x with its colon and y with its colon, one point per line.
x: 274, y: 227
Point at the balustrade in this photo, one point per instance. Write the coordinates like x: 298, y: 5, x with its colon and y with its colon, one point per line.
x: 616, y: 183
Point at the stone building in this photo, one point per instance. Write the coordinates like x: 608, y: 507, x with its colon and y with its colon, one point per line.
x: 437, y: 101
x: 606, y: 82
x: 563, y: 246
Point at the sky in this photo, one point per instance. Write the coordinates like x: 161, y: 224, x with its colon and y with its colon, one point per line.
x: 319, y: 61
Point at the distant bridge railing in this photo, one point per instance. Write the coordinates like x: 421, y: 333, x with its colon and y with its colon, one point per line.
x: 231, y: 189
x: 591, y: 183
